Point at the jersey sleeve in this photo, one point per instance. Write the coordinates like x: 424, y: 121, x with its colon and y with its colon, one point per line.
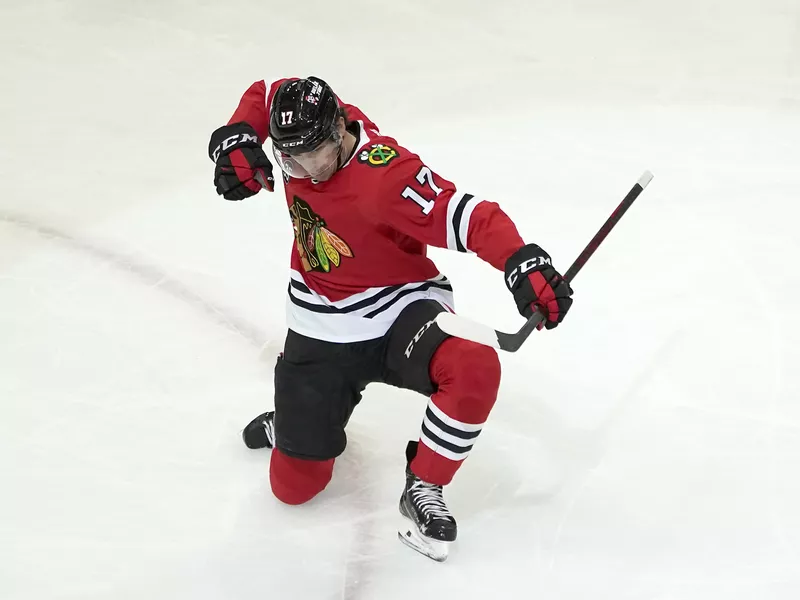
x: 253, y: 108
x: 427, y: 207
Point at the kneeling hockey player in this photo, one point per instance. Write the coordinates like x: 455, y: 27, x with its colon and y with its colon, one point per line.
x: 363, y: 296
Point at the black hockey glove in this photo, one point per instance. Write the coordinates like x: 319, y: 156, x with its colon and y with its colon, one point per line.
x: 530, y: 276
x: 241, y: 162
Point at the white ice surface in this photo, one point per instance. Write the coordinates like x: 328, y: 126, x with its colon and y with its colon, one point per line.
x: 647, y: 449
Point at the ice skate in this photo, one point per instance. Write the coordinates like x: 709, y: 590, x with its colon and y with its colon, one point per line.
x: 428, y: 527
x: 260, y: 432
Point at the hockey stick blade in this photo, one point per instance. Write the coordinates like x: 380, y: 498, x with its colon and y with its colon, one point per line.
x: 511, y: 342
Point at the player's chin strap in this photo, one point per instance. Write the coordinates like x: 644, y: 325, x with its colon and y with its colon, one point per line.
x: 342, y: 160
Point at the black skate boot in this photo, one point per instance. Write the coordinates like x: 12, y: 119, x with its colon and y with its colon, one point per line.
x: 428, y: 527
x: 260, y: 432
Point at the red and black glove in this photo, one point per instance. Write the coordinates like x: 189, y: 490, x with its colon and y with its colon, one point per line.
x: 530, y: 276
x: 241, y: 162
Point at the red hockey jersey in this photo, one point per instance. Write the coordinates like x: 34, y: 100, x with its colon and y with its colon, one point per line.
x: 359, y: 255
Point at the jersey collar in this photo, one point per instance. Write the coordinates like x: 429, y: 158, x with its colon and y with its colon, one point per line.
x: 363, y: 140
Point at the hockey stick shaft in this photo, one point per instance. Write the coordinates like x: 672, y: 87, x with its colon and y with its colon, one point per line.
x: 610, y: 223
x: 511, y: 342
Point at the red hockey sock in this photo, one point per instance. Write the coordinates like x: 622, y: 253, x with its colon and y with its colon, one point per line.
x: 294, y: 480
x: 467, y: 376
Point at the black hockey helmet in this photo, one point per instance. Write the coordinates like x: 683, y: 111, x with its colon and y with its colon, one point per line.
x: 303, y: 115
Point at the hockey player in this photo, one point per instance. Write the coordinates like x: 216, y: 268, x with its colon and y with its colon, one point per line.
x: 363, y: 296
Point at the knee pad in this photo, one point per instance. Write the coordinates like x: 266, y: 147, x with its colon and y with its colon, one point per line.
x: 469, y: 373
x: 296, y: 480
x: 411, y: 342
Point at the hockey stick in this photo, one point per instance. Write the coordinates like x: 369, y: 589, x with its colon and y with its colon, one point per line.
x: 511, y: 342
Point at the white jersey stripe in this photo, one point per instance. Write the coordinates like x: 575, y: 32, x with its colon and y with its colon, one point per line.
x: 327, y: 324
x: 452, y: 205
x: 463, y: 229
x: 313, y: 297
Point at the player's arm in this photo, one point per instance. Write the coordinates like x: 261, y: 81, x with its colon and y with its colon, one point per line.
x: 236, y: 148
x: 253, y: 108
x: 429, y: 208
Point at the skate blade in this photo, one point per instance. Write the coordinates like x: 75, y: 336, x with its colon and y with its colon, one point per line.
x: 411, y: 537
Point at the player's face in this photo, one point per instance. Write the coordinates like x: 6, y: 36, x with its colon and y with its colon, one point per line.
x: 323, y: 161
x: 320, y: 164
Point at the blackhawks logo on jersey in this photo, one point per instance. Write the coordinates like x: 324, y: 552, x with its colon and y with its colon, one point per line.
x: 317, y: 245
x: 378, y: 155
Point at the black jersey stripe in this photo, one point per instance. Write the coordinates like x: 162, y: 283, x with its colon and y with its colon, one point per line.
x: 350, y: 308
x: 460, y: 245
x: 404, y: 293
x: 299, y: 286
x: 371, y: 301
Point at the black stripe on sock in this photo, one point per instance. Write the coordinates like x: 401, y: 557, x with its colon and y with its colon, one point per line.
x: 464, y: 435
x: 443, y: 443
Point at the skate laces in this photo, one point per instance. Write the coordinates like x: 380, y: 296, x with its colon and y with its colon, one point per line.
x: 429, y: 500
